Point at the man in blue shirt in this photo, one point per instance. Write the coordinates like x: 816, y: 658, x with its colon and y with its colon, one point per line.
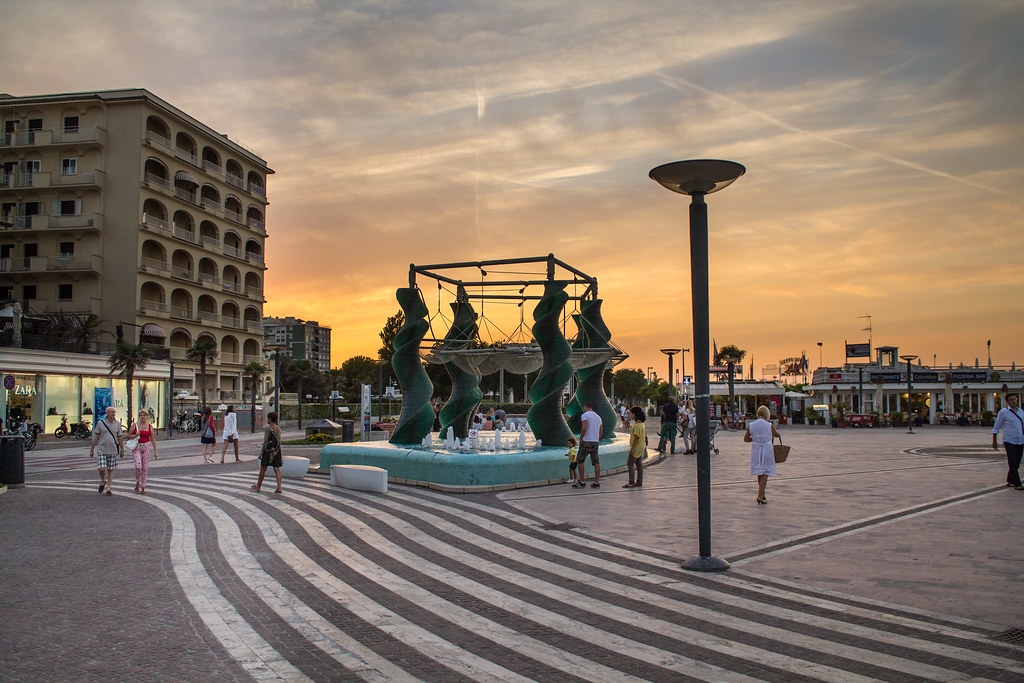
x: 1011, y: 421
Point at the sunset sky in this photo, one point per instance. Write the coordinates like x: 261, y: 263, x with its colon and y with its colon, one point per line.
x: 883, y: 141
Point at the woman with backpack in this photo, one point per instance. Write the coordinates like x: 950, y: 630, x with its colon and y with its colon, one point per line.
x: 270, y: 452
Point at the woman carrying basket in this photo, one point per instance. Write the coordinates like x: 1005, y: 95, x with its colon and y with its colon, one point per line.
x: 762, y: 456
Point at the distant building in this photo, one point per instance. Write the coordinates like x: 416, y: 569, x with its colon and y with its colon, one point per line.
x: 118, y: 208
x: 299, y: 340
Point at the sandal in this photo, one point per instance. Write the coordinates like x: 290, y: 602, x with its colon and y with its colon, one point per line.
x: 255, y: 488
x: 277, y: 490
x: 628, y: 486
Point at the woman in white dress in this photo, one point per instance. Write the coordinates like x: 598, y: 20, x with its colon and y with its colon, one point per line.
x: 762, y: 456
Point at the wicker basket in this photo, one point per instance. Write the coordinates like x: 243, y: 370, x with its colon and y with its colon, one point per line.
x: 781, y: 452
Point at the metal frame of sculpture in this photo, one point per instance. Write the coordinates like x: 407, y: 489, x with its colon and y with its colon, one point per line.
x: 460, y: 352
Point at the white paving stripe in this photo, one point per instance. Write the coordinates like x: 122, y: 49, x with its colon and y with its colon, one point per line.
x: 411, y: 634
x: 741, y: 579
x: 498, y: 633
x: 344, y: 649
x: 259, y: 659
x: 970, y: 656
x: 755, y: 630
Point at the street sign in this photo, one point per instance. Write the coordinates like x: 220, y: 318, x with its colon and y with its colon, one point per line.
x: 9, y: 382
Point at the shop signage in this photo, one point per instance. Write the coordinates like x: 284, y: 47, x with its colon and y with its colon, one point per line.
x: 20, y: 390
x: 835, y: 377
x: 858, y: 350
x: 926, y: 377
x: 970, y: 376
x: 886, y: 376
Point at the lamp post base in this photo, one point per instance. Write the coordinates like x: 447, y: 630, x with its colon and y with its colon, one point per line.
x: 710, y: 563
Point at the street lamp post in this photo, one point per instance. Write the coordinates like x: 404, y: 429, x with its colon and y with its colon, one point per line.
x: 820, y: 363
x: 910, y: 387
x: 697, y: 178
x: 170, y: 407
x: 682, y: 362
x: 671, y: 377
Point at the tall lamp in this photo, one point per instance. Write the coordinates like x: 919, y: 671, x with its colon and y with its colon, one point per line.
x: 910, y: 387
x: 697, y: 178
x: 671, y: 377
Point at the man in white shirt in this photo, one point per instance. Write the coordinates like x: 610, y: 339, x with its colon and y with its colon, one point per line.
x: 1011, y: 421
x: 590, y: 435
x: 230, y: 433
x: 106, y: 438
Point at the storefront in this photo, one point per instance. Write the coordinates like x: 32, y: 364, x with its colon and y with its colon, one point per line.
x: 44, y: 387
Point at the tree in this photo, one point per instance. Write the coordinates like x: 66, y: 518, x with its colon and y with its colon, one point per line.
x: 629, y: 384
x: 202, y: 350
x: 356, y: 371
x: 299, y: 373
x: 387, y: 337
x: 729, y: 351
x: 254, y: 370
x: 125, y: 360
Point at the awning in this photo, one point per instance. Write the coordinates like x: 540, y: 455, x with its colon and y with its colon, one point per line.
x: 186, y: 176
x: 153, y: 330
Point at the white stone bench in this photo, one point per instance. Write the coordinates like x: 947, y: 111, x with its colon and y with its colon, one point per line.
x: 360, y: 478
x: 294, y: 467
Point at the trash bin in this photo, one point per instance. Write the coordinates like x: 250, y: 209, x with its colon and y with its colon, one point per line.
x: 347, y: 431
x: 12, y: 461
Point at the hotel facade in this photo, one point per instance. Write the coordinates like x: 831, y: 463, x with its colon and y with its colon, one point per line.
x: 118, y: 207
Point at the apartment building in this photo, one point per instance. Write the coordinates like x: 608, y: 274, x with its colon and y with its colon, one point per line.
x: 117, y: 204
x: 300, y: 340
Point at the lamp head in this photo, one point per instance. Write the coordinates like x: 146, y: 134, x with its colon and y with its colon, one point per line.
x: 697, y: 176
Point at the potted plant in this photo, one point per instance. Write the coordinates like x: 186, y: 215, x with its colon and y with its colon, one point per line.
x: 987, y: 418
x: 811, y: 414
x: 897, y: 419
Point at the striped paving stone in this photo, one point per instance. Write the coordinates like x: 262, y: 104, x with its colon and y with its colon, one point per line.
x: 321, y: 583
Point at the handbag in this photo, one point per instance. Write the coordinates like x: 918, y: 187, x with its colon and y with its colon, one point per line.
x: 781, y: 451
x: 132, y: 443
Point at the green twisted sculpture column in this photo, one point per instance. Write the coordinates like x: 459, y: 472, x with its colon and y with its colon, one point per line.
x: 466, y: 395
x: 545, y: 415
x: 417, y: 416
x: 591, y: 379
x: 574, y: 408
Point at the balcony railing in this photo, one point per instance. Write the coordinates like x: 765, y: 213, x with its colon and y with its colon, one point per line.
x: 40, y: 138
x: 254, y: 258
x: 159, y: 140
x: 231, y: 286
x: 210, y: 204
x: 254, y: 292
x: 57, y: 263
x: 184, y: 234
x: 253, y: 325
x: 233, y: 323
x: 257, y: 189
x: 213, y: 169
x: 150, y: 306
x: 208, y: 279
x: 179, y: 312
x: 235, y: 216
x: 228, y: 357
x: 157, y: 224
x: 185, y: 195
x: 186, y: 155
x: 181, y: 273
x: 210, y: 242
x: 208, y: 316
x: 235, y: 181
x: 153, y: 179
x: 236, y: 252
x: 17, y: 264
x: 258, y: 226
x: 154, y: 265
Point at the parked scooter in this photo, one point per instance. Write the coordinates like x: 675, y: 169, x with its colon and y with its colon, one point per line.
x: 79, y: 430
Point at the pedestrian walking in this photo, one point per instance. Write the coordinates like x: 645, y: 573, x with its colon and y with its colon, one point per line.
x: 624, y: 415
x: 669, y: 418
x: 590, y: 435
x: 637, y: 449
x: 688, y: 421
x: 106, y: 448
x: 270, y: 452
x: 1011, y: 420
x: 571, y: 454
x: 208, y: 435
x: 143, y: 430
x: 760, y: 434
x: 230, y: 433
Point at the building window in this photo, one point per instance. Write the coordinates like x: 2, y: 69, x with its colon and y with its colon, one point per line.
x: 70, y: 124
x: 68, y: 207
x: 65, y: 292
x: 32, y: 165
x: 28, y: 292
x: 67, y: 249
x: 6, y: 292
x: 31, y: 251
x: 35, y: 124
x: 69, y: 166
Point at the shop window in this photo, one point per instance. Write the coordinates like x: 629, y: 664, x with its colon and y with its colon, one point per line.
x: 69, y: 166
x: 70, y: 124
x: 65, y: 292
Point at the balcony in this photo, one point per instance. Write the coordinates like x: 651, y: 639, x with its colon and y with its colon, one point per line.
x: 43, y: 180
x: 232, y: 287
x: 211, y: 243
x: 155, y: 224
x: 258, y: 226
x: 160, y: 183
x: 208, y: 316
x: 226, y: 357
x: 254, y: 326
x: 257, y: 190
x: 152, y: 265
x: 186, y: 156
x: 69, y: 264
x: 254, y: 258
x: 213, y: 169
x: 234, y: 181
x: 185, y: 195
x: 179, y: 273
x: 150, y: 306
x: 41, y: 138
x: 23, y: 264
x: 233, y: 216
x: 181, y: 313
x: 183, y: 234
x: 231, y: 323
x: 157, y: 140
x: 209, y: 280
x: 211, y: 205
x: 254, y: 293
x: 234, y: 252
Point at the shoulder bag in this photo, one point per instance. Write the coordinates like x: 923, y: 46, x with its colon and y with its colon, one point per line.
x: 781, y: 451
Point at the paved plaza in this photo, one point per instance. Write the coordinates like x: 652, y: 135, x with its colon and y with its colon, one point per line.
x: 881, y: 556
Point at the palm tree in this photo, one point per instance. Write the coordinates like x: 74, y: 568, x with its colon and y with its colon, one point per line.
x: 297, y: 373
x: 202, y: 350
x: 125, y: 360
x: 729, y: 352
x: 255, y: 371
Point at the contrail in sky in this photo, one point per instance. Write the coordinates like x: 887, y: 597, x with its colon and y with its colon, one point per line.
x: 681, y: 84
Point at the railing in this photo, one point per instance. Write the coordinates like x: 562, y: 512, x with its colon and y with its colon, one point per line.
x: 149, y: 305
x: 159, y: 140
x: 213, y: 168
x: 231, y: 286
x: 72, y: 264
x: 159, y: 224
x: 39, y: 138
x: 183, y: 234
x: 253, y: 325
x: 153, y: 179
x: 208, y: 316
x: 210, y: 242
x: 254, y: 292
x: 40, y: 179
x: 179, y: 353
x: 259, y: 226
x: 183, y: 313
x: 235, y: 216
x: 228, y: 357
x: 96, y: 177
x: 252, y: 257
x: 154, y: 264
x: 257, y: 189
x: 185, y: 195
x: 210, y: 204
x: 85, y: 220
x: 233, y: 323
x: 208, y: 279
x: 235, y: 181
x: 23, y: 263
x: 186, y: 155
x: 232, y: 251
x: 181, y: 273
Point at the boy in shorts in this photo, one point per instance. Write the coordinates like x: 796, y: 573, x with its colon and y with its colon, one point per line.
x: 571, y: 454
